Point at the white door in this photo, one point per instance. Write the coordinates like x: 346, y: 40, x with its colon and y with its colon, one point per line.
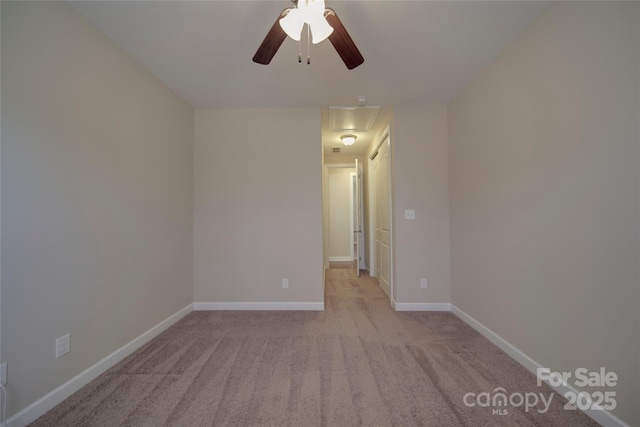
x: 381, y: 171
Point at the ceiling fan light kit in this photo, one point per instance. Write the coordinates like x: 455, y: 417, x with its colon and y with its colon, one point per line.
x: 310, y: 12
x: 322, y: 22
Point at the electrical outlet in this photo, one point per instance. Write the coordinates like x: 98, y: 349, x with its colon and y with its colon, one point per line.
x: 63, y: 346
x: 285, y: 283
x: 409, y: 214
x: 3, y: 373
x: 423, y: 283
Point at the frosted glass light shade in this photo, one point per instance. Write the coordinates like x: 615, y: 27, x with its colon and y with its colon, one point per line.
x: 348, y: 139
x: 320, y: 30
x: 292, y: 24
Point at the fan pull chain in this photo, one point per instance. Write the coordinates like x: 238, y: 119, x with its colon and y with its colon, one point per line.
x: 308, y: 48
x: 300, y: 50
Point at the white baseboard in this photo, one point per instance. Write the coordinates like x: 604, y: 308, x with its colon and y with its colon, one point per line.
x: 266, y: 306
x: 512, y: 351
x: 53, y: 398
x: 422, y: 306
x: 605, y: 418
x: 340, y: 258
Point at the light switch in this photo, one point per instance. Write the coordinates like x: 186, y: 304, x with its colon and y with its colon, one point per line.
x: 409, y: 214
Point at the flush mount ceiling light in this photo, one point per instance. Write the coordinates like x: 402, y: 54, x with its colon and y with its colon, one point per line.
x: 348, y: 139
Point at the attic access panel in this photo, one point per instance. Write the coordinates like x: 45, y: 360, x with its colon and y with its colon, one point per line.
x: 352, y: 119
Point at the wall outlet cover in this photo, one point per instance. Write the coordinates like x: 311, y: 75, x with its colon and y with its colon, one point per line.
x: 63, y: 346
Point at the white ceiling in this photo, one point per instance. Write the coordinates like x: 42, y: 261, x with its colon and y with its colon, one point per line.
x: 416, y: 52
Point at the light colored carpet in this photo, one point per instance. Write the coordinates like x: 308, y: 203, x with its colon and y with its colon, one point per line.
x: 356, y: 363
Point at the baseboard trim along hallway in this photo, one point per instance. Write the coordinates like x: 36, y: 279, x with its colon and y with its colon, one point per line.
x: 253, y: 306
x: 422, y: 306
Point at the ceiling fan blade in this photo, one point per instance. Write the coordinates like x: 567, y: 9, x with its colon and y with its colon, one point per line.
x: 342, y: 42
x: 271, y: 43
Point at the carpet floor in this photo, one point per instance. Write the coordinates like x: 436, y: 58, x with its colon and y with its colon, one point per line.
x: 356, y: 363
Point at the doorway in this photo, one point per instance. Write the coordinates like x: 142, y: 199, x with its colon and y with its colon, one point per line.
x: 371, y: 148
x: 343, y: 200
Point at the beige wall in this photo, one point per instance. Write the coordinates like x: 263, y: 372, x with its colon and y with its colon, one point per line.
x: 258, y: 205
x: 420, y: 182
x: 97, y: 200
x: 544, y: 194
x: 340, y: 212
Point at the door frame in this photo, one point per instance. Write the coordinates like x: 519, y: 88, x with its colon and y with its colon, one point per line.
x: 352, y: 213
x: 326, y: 208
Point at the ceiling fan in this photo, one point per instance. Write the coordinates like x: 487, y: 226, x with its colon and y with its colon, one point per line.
x: 323, y: 22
